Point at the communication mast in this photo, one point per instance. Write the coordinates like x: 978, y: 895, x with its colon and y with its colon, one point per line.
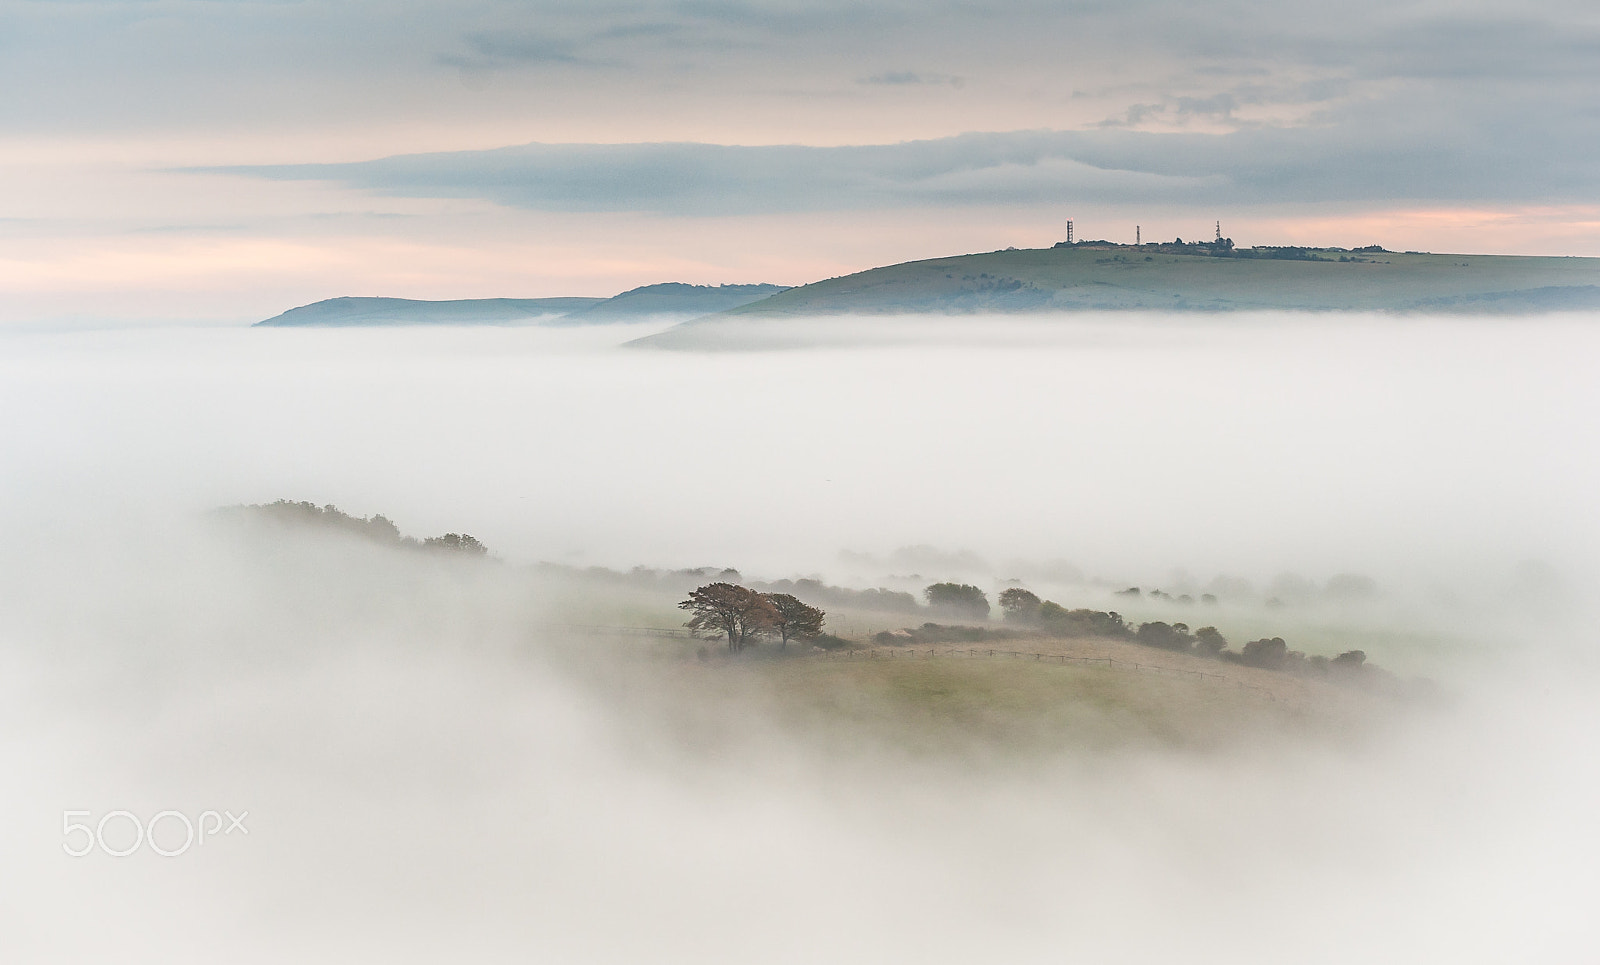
x: 1069, y: 231
x: 1219, y: 231
x: 1136, y: 237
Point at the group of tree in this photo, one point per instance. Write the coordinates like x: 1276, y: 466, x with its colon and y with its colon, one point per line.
x: 377, y: 528
x: 456, y: 543
x: 1023, y: 607
x: 872, y: 598
x: 741, y: 614
x: 1272, y: 653
x: 1209, y: 599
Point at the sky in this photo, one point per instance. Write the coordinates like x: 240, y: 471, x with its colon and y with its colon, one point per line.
x: 174, y: 160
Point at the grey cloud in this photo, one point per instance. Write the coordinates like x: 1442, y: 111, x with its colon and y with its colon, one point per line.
x: 1374, y: 153
x: 641, y: 30
x: 1216, y: 104
x: 195, y: 63
x: 895, y: 78
x: 496, y: 51
x: 689, y: 179
x: 610, y: 38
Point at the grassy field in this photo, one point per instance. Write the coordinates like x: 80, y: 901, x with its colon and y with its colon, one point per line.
x: 1144, y: 278
x: 992, y: 702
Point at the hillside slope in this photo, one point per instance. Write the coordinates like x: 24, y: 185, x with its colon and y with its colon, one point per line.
x: 671, y: 301
x: 1158, y: 278
x: 353, y: 311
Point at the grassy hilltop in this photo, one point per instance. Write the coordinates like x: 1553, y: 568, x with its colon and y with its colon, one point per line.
x: 1164, y: 277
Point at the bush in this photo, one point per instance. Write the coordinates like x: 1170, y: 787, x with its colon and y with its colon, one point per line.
x: 828, y: 641
x: 941, y: 633
x: 1062, y: 622
x: 1349, y: 660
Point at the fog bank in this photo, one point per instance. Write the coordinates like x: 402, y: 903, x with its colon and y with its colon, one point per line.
x: 1125, y: 446
x: 434, y: 768
x: 428, y: 774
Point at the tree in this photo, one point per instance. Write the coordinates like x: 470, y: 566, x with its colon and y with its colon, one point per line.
x: 1266, y: 652
x: 1166, y: 636
x: 1020, y: 606
x: 960, y: 599
x: 1210, y: 641
x: 723, y: 608
x: 795, y: 619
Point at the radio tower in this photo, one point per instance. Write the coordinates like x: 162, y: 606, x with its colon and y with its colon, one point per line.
x: 1219, y: 231
x: 1069, y: 231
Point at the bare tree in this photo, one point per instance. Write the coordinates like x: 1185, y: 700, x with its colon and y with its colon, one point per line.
x: 795, y: 619
x: 725, y: 609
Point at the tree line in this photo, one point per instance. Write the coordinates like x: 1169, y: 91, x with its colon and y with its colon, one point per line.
x: 1023, y: 608
x: 378, y: 528
x: 1271, y: 653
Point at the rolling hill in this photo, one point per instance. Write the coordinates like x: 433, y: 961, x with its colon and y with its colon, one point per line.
x: 1164, y: 278
x: 1099, y: 277
x: 671, y: 301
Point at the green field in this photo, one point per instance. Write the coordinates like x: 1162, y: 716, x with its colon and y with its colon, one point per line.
x: 953, y: 707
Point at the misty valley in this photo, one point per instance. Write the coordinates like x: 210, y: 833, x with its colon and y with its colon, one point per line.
x: 1042, y: 678
x: 1090, y: 634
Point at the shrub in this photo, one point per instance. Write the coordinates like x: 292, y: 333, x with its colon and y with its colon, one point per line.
x: 1059, y: 621
x: 828, y: 641
x: 1349, y: 660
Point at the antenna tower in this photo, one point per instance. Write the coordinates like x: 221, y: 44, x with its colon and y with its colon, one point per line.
x: 1219, y: 231
x: 1069, y: 231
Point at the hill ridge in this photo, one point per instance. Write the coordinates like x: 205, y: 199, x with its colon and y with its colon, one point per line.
x: 664, y: 300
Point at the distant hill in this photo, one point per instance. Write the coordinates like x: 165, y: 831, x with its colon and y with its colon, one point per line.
x: 1171, y: 278
x: 350, y: 311
x: 670, y: 301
